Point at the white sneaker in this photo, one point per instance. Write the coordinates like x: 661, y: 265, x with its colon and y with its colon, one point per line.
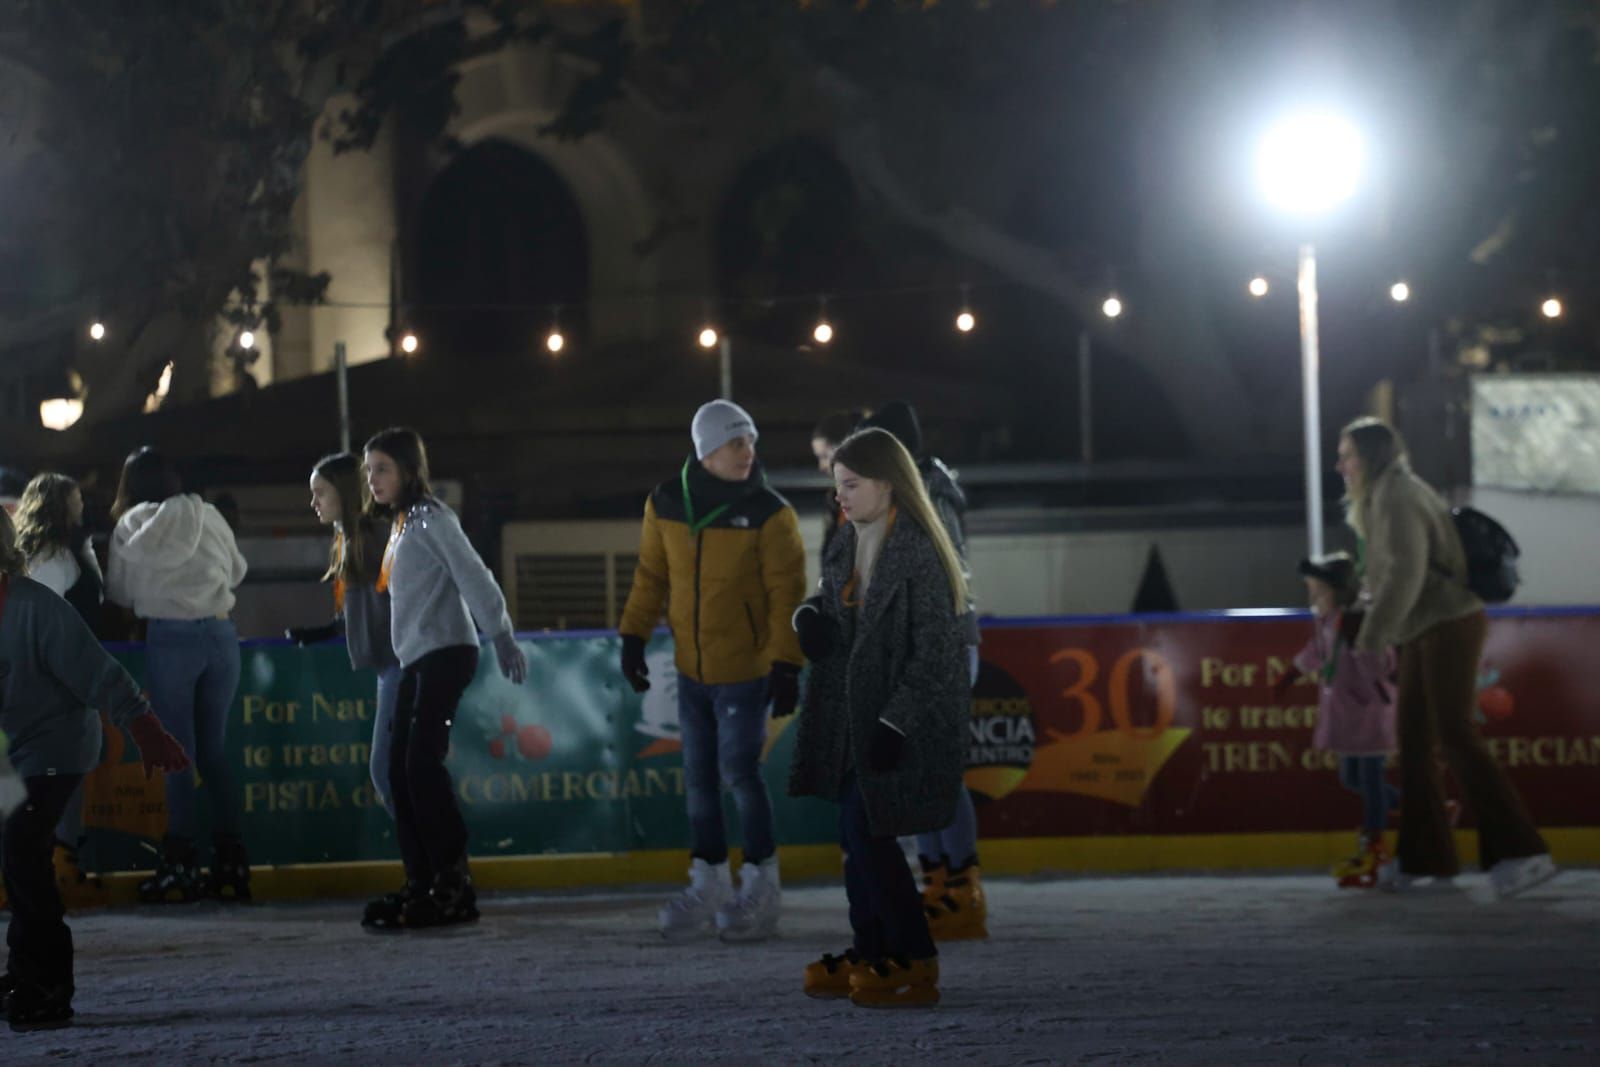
x: 1511, y: 877
x: 753, y: 914
x: 1391, y: 879
x: 693, y: 912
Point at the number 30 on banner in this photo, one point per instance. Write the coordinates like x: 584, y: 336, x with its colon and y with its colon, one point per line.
x: 1157, y: 671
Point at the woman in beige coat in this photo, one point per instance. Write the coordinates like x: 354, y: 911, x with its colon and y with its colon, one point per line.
x: 1417, y: 599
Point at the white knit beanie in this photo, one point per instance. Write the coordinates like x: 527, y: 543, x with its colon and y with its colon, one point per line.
x: 717, y: 423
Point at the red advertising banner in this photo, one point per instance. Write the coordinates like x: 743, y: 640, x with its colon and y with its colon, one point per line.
x: 1185, y: 725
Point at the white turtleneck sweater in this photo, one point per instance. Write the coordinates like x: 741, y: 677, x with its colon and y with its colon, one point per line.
x: 869, y: 542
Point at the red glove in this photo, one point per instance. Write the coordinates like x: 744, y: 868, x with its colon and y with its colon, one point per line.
x: 159, y: 749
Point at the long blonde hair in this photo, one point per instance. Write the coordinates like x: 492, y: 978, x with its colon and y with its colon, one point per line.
x: 12, y: 561
x: 878, y: 454
x: 1379, y: 447
x: 42, y: 519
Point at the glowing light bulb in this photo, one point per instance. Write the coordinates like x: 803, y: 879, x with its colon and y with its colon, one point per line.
x: 409, y: 343
x: 1400, y: 292
x: 1258, y: 286
x: 1112, y: 308
x: 1551, y: 308
x: 708, y: 338
x: 247, y: 340
x: 97, y: 332
x: 823, y: 334
x: 966, y: 322
x: 555, y: 342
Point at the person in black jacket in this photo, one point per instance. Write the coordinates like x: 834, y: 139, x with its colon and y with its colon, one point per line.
x: 831, y: 430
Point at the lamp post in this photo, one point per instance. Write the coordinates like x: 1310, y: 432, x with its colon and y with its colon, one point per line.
x: 1307, y: 165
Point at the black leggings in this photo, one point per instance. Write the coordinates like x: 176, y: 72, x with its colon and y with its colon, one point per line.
x: 428, y: 822
x: 40, y: 943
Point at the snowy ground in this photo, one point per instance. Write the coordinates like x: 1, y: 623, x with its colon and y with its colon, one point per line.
x: 1189, y: 970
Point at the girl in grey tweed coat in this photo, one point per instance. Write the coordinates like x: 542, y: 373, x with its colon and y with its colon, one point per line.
x: 885, y: 712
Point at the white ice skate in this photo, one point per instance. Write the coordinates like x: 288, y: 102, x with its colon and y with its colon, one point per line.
x: 753, y: 914
x: 1391, y: 879
x: 693, y: 912
x: 1511, y: 877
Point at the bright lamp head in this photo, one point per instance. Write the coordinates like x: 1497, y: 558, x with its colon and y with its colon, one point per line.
x: 1310, y: 163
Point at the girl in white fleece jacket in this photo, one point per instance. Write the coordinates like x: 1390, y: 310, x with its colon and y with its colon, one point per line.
x: 173, y: 560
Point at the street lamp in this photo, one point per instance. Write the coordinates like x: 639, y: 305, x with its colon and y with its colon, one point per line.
x: 709, y: 338
x: 1307, y: 165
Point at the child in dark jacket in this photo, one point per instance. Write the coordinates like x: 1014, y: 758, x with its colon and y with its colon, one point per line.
x: 53, y: 674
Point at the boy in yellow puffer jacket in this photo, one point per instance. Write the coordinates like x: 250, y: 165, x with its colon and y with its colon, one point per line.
x: 721, y: 551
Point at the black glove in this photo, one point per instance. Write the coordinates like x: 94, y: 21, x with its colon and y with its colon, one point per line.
x: 884, y: 748
x: 312, y: 635
x: 783, y: 688
x: 633, y: 668
x: 818, y: 633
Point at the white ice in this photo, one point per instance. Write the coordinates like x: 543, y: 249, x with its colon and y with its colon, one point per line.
x: 1180, y: 970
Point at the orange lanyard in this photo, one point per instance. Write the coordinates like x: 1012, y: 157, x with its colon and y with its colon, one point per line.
x: 388, y: 552
x: 338, y: 572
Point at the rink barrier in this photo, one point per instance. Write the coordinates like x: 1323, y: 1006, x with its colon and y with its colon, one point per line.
x: 1006, y: 857
x: 1106, y: 744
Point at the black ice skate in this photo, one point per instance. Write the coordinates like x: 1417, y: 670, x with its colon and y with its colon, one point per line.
x: 36, y: 1007
x: 387, y: 913
x: 450, y: 902
x: 229, y: 877
x: 177, y: 875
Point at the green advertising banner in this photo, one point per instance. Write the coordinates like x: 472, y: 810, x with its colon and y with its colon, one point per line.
x: 573, y: 761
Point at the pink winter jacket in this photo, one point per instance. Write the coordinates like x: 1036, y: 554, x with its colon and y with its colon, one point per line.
x: 1355, y: 709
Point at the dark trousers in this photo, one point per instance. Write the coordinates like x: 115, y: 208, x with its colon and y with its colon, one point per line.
x: 1438, y: 691
x: 40, y: 943
x: 885, y: 907
x: 428, y: 822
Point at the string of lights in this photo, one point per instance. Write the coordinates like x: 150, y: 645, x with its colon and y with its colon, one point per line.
x: 823, y: 333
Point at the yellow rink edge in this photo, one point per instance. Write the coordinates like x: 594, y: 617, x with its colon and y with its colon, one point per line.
x: 1281, y: 852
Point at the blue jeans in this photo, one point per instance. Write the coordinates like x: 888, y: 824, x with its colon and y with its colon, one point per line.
x: 193, y: 670
x: 1363, y: 776
x: 383, y: 733
x: 886, y: 916
x: 724, y: 728
x: 956, y: 844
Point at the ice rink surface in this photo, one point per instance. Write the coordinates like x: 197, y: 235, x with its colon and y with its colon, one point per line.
x: 1147, y: 970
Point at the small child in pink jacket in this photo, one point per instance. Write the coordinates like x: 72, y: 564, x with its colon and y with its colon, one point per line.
x: 1355, y: 707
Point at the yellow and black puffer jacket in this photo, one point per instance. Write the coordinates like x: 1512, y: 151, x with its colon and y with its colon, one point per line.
x: 725, y: 559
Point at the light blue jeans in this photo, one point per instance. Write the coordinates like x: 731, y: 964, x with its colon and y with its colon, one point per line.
x: 383, y: 733
x: 192, y: 667
x: 956, y: 843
